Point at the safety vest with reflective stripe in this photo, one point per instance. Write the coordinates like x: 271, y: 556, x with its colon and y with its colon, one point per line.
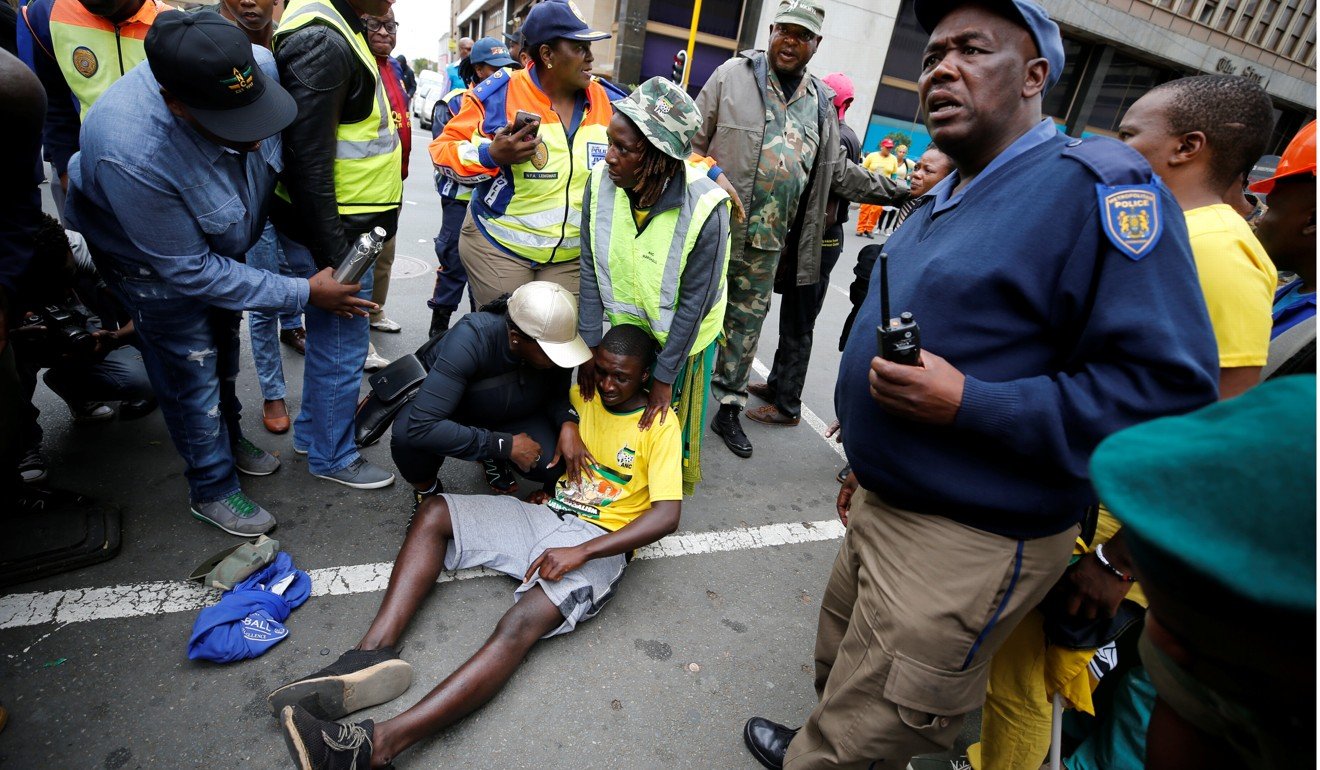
x: 449, y: 105
x: 638, y: 272
x: 92, y: 52
x: 368, y: 154
x: 531, y: 209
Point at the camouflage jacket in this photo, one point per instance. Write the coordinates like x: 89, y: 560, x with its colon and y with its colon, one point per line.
x: 733, y: 111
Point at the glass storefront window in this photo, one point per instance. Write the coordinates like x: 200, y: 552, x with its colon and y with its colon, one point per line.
x: 1126, y: 81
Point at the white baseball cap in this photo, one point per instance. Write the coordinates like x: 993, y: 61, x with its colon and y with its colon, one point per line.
x: 547, y: 313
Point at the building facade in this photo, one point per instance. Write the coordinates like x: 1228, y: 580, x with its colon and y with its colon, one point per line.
x: 1116, y: 51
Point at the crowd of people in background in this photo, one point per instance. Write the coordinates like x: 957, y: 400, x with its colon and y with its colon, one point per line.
x: 1091, y: 485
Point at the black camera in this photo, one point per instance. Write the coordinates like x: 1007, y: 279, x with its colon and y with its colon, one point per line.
x: 66, y: 330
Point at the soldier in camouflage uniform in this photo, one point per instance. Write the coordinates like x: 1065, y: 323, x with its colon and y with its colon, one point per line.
x: 772, y: 92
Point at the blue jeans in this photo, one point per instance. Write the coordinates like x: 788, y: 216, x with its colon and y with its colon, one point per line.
x: 263, y: 329
x: 120, y: 376
x: 191, y: 352
x: 450, y: 277
x: 332, y: 377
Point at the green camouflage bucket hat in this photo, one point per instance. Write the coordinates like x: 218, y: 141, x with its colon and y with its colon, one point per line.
x: 665, y: 115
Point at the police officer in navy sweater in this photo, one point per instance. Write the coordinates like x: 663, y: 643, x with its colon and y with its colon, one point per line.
x: 1049, y: 323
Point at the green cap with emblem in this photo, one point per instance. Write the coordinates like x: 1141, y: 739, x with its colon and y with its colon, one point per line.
x: 808, y: 14
x: 665, y: 115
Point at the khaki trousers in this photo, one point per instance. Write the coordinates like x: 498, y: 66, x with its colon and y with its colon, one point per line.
x: 915, y: 608
x: 492, y: 273
x: 380, y: 276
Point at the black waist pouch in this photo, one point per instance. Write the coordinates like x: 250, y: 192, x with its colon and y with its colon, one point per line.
x: 391, y: 389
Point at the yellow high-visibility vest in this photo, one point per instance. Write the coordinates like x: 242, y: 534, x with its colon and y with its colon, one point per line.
x: 638, y: 272
x: 368, y: 153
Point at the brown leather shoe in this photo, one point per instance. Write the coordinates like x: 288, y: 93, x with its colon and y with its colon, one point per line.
x: 275, y: 416
x: 295, y: 338
x: 762, y: 390
x: 770, y: 415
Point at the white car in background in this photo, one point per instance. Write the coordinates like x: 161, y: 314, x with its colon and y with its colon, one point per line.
x: 431, y: 86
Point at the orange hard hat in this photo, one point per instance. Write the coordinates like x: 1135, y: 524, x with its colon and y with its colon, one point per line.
x: 1299, y: 158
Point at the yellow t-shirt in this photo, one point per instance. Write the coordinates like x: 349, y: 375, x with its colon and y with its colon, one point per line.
x: 633, y: 467
x: 1238, y: 280
x: 885, y: 164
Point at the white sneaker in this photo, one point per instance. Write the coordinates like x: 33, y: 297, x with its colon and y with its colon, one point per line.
x: 375, y: 361
x: 384, y: 324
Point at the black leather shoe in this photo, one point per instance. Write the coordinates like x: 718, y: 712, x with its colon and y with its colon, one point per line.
x: 768, y: 741
x: 727, y: 426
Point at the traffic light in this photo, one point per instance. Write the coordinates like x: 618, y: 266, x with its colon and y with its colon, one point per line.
x: 680, y: 66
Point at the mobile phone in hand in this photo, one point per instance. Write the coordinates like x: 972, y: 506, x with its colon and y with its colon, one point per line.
x: 523, y: 118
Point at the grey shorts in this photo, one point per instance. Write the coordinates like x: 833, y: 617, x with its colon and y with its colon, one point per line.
x: 506, y: 535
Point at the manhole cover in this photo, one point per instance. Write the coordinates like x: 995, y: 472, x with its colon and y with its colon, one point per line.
x: 410, y: 267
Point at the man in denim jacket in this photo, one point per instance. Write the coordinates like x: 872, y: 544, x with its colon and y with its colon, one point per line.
x: 170, y: 191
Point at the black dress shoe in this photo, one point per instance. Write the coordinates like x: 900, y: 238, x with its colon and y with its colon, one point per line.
x: 768, y: 741
x: 727, y: 426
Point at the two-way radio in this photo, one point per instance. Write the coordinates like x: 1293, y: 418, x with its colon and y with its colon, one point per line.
x: 898, y: 339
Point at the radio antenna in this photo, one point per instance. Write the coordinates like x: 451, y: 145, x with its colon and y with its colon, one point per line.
x: 884, y: 289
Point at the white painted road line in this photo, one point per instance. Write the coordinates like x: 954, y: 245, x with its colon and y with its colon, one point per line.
x: 144, y: 599
x: 811, y: 417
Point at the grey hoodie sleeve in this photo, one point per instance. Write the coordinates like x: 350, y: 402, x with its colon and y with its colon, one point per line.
x: 699, y: 289
x: 591, y: 311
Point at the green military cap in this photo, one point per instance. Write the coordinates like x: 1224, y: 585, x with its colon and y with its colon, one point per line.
x: 232, y: 566
x: 1229, y: 490
x: 809, y: 14
x: 665, y: 115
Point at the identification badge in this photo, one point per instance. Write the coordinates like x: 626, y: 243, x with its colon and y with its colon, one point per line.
x: 595, y: 153
x: 1131, y: 217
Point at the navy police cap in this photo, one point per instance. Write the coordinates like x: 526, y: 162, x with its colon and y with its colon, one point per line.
x: 555, y: 19
x: 1025, y: 12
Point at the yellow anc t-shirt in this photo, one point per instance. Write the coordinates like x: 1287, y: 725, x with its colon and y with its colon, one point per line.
x: 633, y: 469
x: 1238, y: 280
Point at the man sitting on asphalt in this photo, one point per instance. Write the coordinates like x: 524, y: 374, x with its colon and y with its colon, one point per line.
x: 629, y: 497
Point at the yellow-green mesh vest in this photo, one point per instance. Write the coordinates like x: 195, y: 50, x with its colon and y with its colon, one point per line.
x: 91, y: 57
x: 368, y: 155
x: 638, y: 272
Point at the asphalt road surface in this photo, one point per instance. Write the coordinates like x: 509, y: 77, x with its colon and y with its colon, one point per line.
x: 717, y: 626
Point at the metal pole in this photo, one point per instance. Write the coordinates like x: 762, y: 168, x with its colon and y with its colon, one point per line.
x: 692, y: 43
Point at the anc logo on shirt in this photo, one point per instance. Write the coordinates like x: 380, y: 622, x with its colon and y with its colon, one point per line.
x: 241, y: 81
x: 626, y: 457
x: 1131, y: 215
x: 84, y: 60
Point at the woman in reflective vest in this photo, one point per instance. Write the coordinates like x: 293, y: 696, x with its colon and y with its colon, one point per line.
x: 655, y: 242
x: 523, y: 221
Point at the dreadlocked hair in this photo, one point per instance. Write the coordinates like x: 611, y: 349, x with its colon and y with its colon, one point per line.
x: 653, y: 174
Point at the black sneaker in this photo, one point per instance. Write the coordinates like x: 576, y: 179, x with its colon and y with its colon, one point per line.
x: 358, y: 679
x: 317, y: 744
x: 419, y: 496
x: 32, y: 467
x: 499, y: 477
x: 727, y: 426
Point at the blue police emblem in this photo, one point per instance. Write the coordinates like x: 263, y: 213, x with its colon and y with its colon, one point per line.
x: 1131, y: 216
x: 595, y: 153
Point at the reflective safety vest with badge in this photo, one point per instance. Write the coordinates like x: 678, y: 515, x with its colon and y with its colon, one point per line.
x: 532, y: 209
x: 638, y: 271
x: 92, y: 52
x: 448, y: 106
x: 368, y: 153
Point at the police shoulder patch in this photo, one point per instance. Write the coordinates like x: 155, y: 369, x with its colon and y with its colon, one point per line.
x: 1130, y: 217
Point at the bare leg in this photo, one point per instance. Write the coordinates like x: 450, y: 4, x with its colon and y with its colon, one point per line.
x: 420, y: 560
x: 475, y: 682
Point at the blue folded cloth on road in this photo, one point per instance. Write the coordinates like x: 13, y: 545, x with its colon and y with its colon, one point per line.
x: 249, y: 618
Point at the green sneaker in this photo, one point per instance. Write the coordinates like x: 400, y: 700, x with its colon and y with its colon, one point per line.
x: 236, y: 514
x: 253, y: 460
